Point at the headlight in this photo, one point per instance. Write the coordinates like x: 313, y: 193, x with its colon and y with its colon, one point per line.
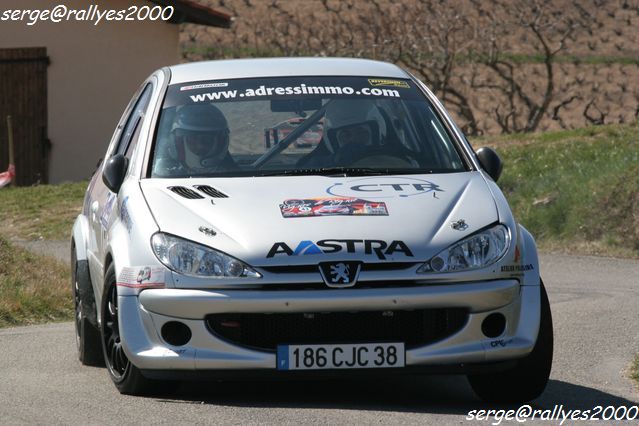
x: 477, y: 251
x: 189, y: 258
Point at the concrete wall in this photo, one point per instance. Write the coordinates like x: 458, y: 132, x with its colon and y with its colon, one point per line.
x: 93, y: 73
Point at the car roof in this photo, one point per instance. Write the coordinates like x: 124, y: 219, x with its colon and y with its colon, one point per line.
x: 282, y: 67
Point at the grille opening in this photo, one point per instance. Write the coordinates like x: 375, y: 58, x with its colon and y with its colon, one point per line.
x: 265, y: 331
x: 298, y: 269
x: 211, y: 192
x: 185, y: 192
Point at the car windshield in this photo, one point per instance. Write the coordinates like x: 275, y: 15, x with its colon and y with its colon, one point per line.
x: 300, y: 125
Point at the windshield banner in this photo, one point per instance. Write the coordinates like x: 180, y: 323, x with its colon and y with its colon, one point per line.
x: 290, y: 88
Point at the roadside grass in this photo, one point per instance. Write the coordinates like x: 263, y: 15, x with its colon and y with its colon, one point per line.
x: 576, y: 191
x: 634, y: 370
x: 33, y: 289
x: 40, y: 212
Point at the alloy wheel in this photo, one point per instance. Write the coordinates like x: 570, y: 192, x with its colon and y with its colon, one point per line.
x: 116, y: 358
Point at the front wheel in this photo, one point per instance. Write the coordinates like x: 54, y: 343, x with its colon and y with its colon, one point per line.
x: 127, y: 377
x: 529, y: 377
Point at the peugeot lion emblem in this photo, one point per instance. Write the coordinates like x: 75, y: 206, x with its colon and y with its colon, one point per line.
x: 340, y: 274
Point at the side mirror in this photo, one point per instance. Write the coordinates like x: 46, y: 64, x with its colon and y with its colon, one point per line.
x: 114, y: 172
x: 490, y: 162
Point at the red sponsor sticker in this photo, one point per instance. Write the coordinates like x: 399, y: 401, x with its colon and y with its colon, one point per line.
x: 142, y: 277
x: 334, y: 206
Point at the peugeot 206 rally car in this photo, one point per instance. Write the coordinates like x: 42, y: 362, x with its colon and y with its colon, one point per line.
x: 216, y: 241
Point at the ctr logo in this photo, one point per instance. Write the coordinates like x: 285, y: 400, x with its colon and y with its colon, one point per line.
x: 379, y: 248
x: 379, y: 187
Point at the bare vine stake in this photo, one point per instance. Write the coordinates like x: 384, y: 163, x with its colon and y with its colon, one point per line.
x: 11, y: 152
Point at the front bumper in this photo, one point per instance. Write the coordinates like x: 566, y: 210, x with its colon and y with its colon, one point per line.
x: 142, y: 317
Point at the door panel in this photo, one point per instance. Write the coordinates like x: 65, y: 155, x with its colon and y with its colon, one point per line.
x: 103, y: 204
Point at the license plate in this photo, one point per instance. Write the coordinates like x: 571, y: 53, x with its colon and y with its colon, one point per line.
x: 318, y: 357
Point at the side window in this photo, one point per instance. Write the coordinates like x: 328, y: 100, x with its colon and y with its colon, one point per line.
x: 133, y: 122
x: 134, y: 138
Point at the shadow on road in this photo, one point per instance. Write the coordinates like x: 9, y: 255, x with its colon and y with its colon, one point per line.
x: 436, y: 394
x: 575, y: 397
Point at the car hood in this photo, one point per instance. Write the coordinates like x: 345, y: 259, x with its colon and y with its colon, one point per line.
x: 293, y: 220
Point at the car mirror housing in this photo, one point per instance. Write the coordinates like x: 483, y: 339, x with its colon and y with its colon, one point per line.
x: 490, y: 162
x: 114, y: 172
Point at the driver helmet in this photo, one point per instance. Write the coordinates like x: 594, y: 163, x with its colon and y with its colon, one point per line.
x: 351, y: 123
x: 203, y: 133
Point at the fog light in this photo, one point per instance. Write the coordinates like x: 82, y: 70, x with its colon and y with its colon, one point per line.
x: 176, y: 333
x: 493, y: 325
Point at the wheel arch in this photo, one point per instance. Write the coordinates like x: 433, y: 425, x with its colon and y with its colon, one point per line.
x: 117, y: 251
x: 108, y: 260
x: 529, y: 256
x: 80, y: 269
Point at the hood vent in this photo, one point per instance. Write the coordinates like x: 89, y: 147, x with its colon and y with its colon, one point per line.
x: 211, y: 192
x: 185, y: 192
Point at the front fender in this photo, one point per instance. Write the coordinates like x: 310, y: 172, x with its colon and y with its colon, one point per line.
x: 133, y: 252
x: 529, y: 258
x: 80, y: 236
x: 119, y: 244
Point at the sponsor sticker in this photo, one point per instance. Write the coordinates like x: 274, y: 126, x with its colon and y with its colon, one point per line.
x: 203, y: 86
x: 108, y: 208
x: 332, y: 206
x: 379, y: 248
x: 517, y: 268
x: 138, y: 277
x: 500, y: 343
x: 388, y: 83
x: 125, y: 217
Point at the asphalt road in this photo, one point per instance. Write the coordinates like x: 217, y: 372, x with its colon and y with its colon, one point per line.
x: 595, y: 304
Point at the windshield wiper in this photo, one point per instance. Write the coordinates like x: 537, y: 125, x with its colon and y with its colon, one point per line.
x: 334, y: 171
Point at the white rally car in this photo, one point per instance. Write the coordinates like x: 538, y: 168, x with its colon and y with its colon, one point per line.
x: 215, y: 241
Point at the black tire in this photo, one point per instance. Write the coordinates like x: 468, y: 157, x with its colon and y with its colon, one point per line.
x: 127, y: 377
x: 528, y: 379
x: 87, y: 335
